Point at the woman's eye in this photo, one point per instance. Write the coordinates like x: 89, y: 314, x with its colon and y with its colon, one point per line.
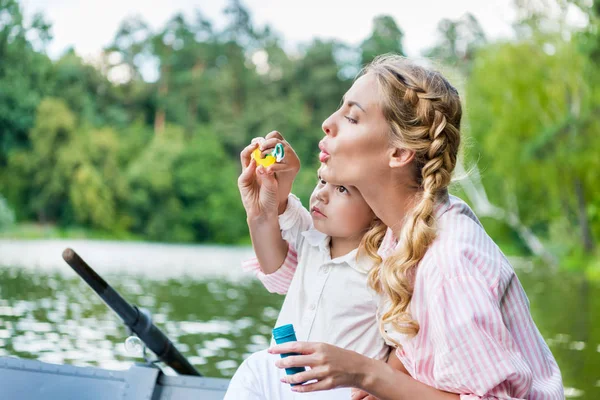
x: 351, y: 120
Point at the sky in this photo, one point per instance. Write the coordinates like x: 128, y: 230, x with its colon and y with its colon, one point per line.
x: 89, y: 25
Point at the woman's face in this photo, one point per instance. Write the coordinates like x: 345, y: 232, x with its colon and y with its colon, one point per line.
x: 356, y: 146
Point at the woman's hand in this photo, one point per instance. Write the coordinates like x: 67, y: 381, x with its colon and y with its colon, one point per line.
x: 331, y: 366
x: 258, y: 187
x: 286, y: 170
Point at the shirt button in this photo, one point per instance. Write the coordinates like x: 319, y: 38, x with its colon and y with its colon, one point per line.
x: 312, y: 306
x: 325, y: 269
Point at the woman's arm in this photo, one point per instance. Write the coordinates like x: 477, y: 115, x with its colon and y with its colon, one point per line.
x: 263, y: 200
x: 258, y: 189
x: 334, y: 367
x: 387, y: 383
x: 394, y: 362
x: 269, y: 246
x: 286, y: 170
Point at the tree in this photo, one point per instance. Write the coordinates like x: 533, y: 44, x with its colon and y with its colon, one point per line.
x: 386, y: 37
x: 535, y: 133
x: 129, y: 48
x: 47, y: 166
x: 97, y: 189
x: 458, y: 41
x: 24, y: 75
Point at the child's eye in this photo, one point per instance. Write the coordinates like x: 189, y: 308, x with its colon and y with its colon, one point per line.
x: 342, y: 189
x: 321, y: 181
x: 351, y: 120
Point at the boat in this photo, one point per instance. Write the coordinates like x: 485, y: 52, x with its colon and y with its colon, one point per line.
x: 22, y: 379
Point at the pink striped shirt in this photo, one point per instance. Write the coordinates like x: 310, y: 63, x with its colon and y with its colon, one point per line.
x: 477, y: 337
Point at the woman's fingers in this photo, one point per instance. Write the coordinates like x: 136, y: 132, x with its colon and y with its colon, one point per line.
x: 274, y: 135
x: 246, y: 153
x: 268, y: 144
x: 294, y: 347
x: 296, y: 361
x: 279, y: 167
x: 324, y: 384
x: 301, y: 377
x: 247, y: 176
x: 268, y: 182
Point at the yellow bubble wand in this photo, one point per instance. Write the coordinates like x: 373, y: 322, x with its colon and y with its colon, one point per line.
x: 275, y: 156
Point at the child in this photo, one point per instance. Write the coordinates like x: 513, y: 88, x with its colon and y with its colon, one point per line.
x: 327, y: 296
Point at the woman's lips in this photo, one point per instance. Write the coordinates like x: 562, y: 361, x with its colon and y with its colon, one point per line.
x: 324, y: 154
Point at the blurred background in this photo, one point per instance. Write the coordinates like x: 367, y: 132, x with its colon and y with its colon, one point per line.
x: 121, y: 126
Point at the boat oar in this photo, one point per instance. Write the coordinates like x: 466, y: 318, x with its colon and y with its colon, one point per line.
x: 138, y: 321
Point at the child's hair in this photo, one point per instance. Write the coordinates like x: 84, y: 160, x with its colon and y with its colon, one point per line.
x: 423, y: 111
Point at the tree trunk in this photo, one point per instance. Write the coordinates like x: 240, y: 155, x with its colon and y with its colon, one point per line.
x: 584, y: 223
x: 160, y: 116
x: 193, y: 104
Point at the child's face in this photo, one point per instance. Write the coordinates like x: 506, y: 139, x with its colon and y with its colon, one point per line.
x: 340, y: 211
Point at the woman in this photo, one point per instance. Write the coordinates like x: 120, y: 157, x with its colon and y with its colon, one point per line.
x: 456, y: 310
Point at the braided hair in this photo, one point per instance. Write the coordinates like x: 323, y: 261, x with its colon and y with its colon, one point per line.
x: 423, y: 111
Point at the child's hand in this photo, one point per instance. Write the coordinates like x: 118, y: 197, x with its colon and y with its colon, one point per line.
x: 286, y: 170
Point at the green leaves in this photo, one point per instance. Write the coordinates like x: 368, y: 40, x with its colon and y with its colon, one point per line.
x: 532, y: 109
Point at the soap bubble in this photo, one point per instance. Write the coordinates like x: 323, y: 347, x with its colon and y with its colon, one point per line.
x: 134, y: 346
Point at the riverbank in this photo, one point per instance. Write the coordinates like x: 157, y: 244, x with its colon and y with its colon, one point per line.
x: 153, y: 260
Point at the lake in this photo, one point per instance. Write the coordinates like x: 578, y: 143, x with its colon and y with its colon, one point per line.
x: 217, y: 314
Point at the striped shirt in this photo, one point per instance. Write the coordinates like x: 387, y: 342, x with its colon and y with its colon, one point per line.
x: 477, y: 337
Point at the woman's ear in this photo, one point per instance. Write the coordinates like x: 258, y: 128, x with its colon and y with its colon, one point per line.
x: 401, y: 157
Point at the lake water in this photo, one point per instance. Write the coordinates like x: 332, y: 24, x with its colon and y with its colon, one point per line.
x: 217, y: 314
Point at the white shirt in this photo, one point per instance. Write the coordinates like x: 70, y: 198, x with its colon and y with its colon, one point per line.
x: 327, y: 300
x: 476, y: 337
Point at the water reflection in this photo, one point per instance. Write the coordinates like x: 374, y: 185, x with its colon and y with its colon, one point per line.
x: 60, y: 320
x: 566, y: 309
x: 217, y: 322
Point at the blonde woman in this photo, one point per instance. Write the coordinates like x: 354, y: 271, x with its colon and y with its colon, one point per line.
x: 456, y: 312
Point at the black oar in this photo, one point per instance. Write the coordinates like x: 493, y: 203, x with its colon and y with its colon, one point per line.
x: 138, y: 321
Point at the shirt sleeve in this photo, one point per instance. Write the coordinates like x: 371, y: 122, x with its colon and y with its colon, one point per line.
x: 280, y: 280
x: 475, y: 353
x: 294, y: 220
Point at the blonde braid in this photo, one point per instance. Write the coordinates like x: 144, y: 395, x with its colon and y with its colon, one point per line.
x: 424, y: 113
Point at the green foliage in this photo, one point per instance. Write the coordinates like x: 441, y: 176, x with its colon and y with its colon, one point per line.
x: 7, y: 216
x: 537, y: 136
x: 386, y: 37
x: 24, y: 76
x: 97, y: 147
x: 48, y: 165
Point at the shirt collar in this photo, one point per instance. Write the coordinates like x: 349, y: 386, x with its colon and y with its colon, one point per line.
x: 321, y: 240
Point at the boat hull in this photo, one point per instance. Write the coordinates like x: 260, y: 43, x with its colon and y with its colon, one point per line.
x: 22, y: 379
